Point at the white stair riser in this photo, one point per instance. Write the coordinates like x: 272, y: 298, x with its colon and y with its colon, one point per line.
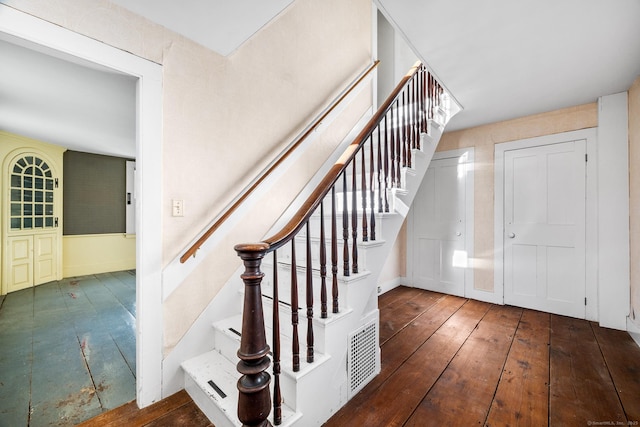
x: 285, y: 292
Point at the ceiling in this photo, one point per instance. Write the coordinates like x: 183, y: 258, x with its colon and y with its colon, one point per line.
x: 500, y: 59
x: 503, y: 59
x: 220, y: 25
x: 62, y: 100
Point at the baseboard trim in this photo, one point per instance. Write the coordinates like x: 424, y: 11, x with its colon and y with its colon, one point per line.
x: 391, y: 284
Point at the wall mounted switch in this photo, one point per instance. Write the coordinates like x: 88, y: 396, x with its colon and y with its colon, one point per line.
x: 178, y: 208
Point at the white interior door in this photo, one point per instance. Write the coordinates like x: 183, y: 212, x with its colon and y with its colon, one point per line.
x: 544, y: 228
x: 439, y: 255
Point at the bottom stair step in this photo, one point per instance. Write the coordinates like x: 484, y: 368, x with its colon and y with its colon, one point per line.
x: 210, y: 380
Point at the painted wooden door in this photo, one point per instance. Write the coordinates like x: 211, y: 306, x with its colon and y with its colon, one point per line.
x: 20, y: 255
x: 44, y: 258
x: 439, y: 226
x: 33, y: 235
x: 544, y: 228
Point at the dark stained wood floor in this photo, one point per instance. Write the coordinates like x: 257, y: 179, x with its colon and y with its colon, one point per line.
x: 175, y: 410
x: 457, y: 362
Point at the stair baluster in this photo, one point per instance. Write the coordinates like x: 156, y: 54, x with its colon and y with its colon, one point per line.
x: 414, y: 115
x: 392, y: 148
x: 396, y: 124
x: 372, y: 190
x: 387, y: 155
x: 354, y: 218
x: 425, y: 97
x: 345, y: 227
x: 309, y: 275
x: 417, y: 118
x: 408, y: 132
x: 363, y: 185
x: 334, y: 253
x: 323, y: 266
x: 403, y: 125
x: 432, y: 94
x: 277, y: 395
x: 380, y: 173
x: 295, y: 343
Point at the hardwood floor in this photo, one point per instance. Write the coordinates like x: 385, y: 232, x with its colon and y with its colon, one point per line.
x: 67, y: 350
x: 457, y: 362
x: 176, y: 410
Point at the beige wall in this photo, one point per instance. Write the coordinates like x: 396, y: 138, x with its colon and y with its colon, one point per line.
x: 634, y: 198
x: 98, y: 253
x: 225, y: 118
x: 395, y: 266
x: 483, y: 139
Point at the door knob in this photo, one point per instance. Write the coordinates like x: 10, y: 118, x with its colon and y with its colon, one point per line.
x: 458, y: 233
x: 512, y: 235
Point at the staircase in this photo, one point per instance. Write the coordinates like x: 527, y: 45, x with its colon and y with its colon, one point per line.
x: 319, y: 292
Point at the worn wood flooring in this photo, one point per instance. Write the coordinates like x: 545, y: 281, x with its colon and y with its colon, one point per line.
x: 176, y: 410
x: 67, y: 350
x: 449, y: 361
x: 457, y: 362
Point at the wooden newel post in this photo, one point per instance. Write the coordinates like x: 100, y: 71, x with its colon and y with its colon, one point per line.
x: 254, y: 399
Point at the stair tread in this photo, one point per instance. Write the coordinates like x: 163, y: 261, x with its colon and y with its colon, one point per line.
x: 213, y: 366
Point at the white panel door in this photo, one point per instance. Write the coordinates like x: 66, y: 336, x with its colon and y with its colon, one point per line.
x: 439, y: 227
x: 544, y: 228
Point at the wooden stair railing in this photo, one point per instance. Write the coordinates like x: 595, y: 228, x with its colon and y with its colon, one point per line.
x: 191, y: 252
x: 396, y: 128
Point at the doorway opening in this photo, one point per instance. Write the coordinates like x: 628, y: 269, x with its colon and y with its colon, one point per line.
x: 63, y: 43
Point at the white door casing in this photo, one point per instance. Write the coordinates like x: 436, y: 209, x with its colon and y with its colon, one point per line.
x: 441, y: 226
x: 544, y: 228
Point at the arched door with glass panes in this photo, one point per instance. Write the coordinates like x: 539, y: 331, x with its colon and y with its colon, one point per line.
x: 33, y: 235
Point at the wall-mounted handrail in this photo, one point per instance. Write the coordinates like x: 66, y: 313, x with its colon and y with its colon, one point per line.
x: 251, y: 188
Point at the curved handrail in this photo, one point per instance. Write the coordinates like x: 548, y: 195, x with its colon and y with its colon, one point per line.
x: 229, y: 211
x: 314, y: 199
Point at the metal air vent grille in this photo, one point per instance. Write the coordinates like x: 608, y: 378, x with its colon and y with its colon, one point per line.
x: 361, y: 357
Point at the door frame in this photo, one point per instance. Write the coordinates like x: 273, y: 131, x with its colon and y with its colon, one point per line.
x: 469, y: 290
x: 591, y: 206
x: 75, y: 46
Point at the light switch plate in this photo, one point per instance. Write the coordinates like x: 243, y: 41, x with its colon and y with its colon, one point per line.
x: 178, y: 208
